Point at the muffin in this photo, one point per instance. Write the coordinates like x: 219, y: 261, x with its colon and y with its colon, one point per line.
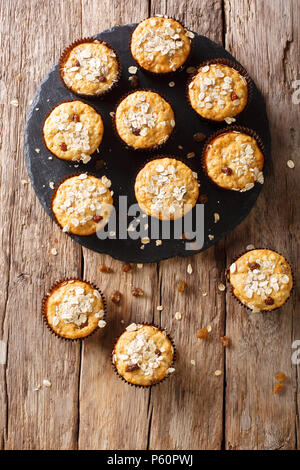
x: 89, y: 67
x: 73, y: 131
x: 261, y: 279
x: 144, y: 120
x: 166, y: 188
x: 143, y: 355
x: 82, y: 204
x: 160, y: 45
x: 233, y: 160
x: 74, y: 309
x: 218, y: 92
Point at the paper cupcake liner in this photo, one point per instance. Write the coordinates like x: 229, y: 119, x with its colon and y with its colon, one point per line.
x: 55, y: 286
x: 167, y: 74
x: 54, y: 194
x: 65, y: 55
x: 148, y: 149
x: 242, y: 129
x: 156, y: 383
x: 234, y: 66
x: 75, y: 162
x: 227, y: 278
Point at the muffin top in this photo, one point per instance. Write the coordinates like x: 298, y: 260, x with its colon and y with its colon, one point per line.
x: 234, y: 161
x: 166, y: 188
x: 73, y: 131
x: 143, y: 355
x: 218, y: 92
x: 160, y: 45
x: 144, y: 119
x: 90, y: 68
x: 261, y: 279
x: 82, y: 204
x: 74, y: 309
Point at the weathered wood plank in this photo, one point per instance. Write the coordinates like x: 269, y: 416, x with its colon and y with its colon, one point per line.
x: 112, y: 414
x: 47, y: 418
x: 265, y: 38
x: 187, y: 409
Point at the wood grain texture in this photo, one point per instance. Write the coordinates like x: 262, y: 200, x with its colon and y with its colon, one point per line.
x: 124, y: 425
x: 87, y: 406
x: 194, y: 395
x: 256, y: 418
x: 31, y: 419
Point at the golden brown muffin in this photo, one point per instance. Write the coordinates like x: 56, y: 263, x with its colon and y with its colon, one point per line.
x: 218, y: 92
x: 160, y: 45
x: 74, y: 309
x: 73, y: 131
x: 166, y: 188
x: 89, y: 68
x: 234, y: 161
x: 82, y: 204
x: 143, y: 355
x: 144, y: 120
x: 261, y: 279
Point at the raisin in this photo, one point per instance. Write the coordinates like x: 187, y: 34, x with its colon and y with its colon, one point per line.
x: 199, y: 137
x: 135, y: 131
x: 77, y: 63
x: 63, y: 146
x: 269, y: 301
x: 97, y: 218
x: 253, y: 266
x: 227, y: 171
x: 181, y: 286
x: 83, y: 325
x: 234, y: 96
x: 225, y: 341
x: 277, y: 388
x: 137, y: 292
x: 100, y: 164
x: 131, y: 368
x: 126, y: 268
x: 104, y: 269
x: 203, y: 198
x: 280, y: 377
x: 202, y: 333
x: 102, y: 79
x: 134, y: 81
x: 157, y: 352
x: 76, y: 118
x: 116, y: 297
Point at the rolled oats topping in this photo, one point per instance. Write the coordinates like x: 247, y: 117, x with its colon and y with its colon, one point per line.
x: 234, y: 161
x: 73, y: 131
x: 144, y: 119
x: 140, y: 118
x: 218, y: 92
x: 166, y: 188
x: 90, y: 68
x: 160, y: 45
x: 74, y: 309
x: 143, y: 354
x: 82, y: 204
x: 262, y: 279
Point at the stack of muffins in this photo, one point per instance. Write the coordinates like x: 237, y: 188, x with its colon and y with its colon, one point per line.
x: 165, y: 188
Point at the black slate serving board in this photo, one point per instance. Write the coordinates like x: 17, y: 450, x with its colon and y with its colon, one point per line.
x: 122, y: 165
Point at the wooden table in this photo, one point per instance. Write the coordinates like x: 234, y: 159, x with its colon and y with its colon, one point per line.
x: 87, y: 406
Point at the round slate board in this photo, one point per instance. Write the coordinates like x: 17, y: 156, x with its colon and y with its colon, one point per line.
x: 122, y: 165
